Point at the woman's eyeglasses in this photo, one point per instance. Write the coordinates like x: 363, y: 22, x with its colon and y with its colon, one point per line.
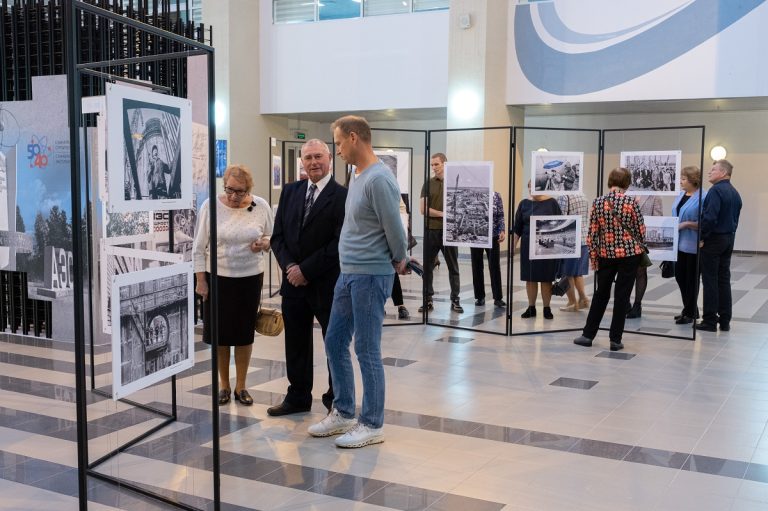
x: 236, y: 193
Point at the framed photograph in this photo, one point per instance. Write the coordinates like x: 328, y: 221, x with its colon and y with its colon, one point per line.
x: 653, y: 172
x: 184, y: 222
x: 300, y: 169
x: 116, y: 260
x: 398, y: 159
x: 661, y: 236
x: 556, y: 172
x: 555, y: 237
x: 149, y: 150
x: 152, y: 330
x: 468, y: 204
x: 277, y: 172
x: 221, y: 157
x: 122, y: 228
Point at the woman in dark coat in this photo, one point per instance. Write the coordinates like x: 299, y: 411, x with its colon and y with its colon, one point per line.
x: 539, y: 271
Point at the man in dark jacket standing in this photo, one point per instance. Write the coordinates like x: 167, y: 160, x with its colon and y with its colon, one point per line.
x: 719, y: 220
x: 305, y: 241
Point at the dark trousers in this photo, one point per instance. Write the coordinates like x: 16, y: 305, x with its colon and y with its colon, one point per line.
x: 715, y: 267
x: 451, y: 254
x: 688, y: 281
x: 494, y: 267
x: 624, y: 270
x: 397, y: 292
x: 299, y: 314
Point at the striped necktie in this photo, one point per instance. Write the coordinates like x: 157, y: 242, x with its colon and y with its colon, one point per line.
x: 309, y: 201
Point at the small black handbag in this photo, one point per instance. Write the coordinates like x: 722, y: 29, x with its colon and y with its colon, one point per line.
x: 667, y: 269
x: 560, y: 286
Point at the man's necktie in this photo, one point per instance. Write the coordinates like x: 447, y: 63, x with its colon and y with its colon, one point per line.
x: 309, y: 201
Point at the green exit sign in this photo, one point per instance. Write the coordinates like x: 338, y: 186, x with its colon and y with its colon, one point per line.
x: 300, y: 135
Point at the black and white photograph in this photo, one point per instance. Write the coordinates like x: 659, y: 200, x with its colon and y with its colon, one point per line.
x: 149, y: 150
x: 277, y: 172
x: 468, y: 204
x: 653, y: 172
x: 184, y: 222
x: 556, y: 172
x: 116, y: 260
x: 661, y: 237
x: 122, y: 228
x: 555, y: 237
x: 398, y: 160
x: 152, y: 334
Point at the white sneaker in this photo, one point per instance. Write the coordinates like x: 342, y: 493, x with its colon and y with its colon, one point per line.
x: 333, y: 424
x: 360, y: 436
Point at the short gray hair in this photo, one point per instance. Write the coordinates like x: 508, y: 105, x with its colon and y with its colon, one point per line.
x: 726, y: 166
x: 315, y: 141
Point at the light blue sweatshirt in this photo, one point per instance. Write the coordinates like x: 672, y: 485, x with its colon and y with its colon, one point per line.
x: 372, y: 236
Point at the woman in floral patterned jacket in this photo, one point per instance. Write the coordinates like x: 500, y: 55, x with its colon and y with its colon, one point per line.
x: 616, y: 242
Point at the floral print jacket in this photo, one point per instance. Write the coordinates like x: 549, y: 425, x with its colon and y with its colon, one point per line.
x: 616, y: 228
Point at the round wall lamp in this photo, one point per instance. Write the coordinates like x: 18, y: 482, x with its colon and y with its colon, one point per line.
x: 542, y: 150
x: 718, y: 153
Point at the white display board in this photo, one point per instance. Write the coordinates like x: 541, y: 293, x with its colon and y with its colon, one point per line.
x: 555, y: 237
x: 653, y: 172
x: 556, y: 172
x: 149, y: 150
x: 661, y: 236
x: 152, y: 333
x: 468, y: 204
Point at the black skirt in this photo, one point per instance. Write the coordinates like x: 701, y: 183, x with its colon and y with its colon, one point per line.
x: 238, y: 301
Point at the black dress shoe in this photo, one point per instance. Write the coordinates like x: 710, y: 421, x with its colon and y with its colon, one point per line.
x: 635, y: 312
x: 683, y: 320
x: 285, y: 408
x: 530, y: 312
x: 725, y: 327
x: 616, y: 346
x: 548, y: 313
x: 243, y: 397
x: 480, y: 301
x: 224, y: 396
x: 500, y: 303
x: 706, y: 327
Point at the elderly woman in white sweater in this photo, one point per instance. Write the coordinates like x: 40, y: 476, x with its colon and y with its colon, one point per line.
x: 243, y: 226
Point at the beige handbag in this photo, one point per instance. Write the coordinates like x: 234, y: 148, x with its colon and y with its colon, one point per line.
x: 269, y: 321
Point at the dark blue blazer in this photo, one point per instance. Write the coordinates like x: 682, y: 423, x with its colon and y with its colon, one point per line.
x: 313, y: 246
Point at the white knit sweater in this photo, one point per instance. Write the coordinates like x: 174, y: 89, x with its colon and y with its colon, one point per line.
x: 236, y: 229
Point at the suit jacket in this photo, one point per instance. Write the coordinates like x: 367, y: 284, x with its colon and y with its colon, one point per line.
x: 313, y: 246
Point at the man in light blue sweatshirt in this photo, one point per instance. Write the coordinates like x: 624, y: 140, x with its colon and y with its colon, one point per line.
x: 371, y: 248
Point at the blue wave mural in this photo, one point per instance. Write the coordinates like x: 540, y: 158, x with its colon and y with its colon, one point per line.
x: 566, y: 74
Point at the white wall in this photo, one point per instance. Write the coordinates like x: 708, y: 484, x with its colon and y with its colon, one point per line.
x: 743, y: 134
x: 378, y: 62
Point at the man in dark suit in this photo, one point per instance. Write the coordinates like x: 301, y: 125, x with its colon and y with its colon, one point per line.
x: 305, y: 241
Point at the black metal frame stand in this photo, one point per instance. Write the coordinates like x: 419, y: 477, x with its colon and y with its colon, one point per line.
x: 701, y: 168
x: 510, y: 171
x: 511, y: 253
x: 74, y: 12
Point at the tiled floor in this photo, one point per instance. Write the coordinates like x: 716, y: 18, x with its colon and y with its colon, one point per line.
x: 474, y: 421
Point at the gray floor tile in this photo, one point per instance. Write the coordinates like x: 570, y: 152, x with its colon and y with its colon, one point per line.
x: 296, y: 477
x: 450, y: 502
x: 757, y: 472
x: 405, y: 498
x: 350, y: 487
x: 548, y: 441
x: 574, y: 383
x: 618, y: 355
x: 499, y: 433
x: 396, y: 362
x: 715, y: 466
x: 456, y: 427
x: 600, y: 449
x: 250, y: 467
x: 455, y: 339
x: 657, y: 457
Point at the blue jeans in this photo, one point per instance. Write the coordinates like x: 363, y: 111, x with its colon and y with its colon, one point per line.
x: 358, y: 308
